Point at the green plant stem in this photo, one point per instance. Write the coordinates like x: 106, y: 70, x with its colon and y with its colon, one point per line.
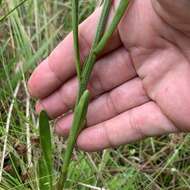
x: 118, y: 15
x: 100, y: 46
x: 78, y: 124
x: 83, y: 95
x: 92, y: 57
x: 75, y: 22
x: 6, y: 15
x: 102, y: 22
x: 82, y: 101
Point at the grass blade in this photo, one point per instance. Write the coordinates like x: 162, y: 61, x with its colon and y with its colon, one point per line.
x: 102, y: 22
x: 118, y: 15
x: 75, y: 21
x: 46, y: 145
x: 43, y: 175
x: 92, y: 57
x: 78, y: 124
x: 6, y: 15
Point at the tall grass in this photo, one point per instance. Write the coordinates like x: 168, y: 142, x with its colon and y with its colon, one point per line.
x: 27, y: 36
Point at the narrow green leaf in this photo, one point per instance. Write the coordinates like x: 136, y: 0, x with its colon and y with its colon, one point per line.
x: 102, y: 22
x: 117, y: 18
x: 6, y: 15
x: 78, y: 124
x: 92, y: 57
x: 75, y: 22
x: 43, y: 175
x: 45, y: 142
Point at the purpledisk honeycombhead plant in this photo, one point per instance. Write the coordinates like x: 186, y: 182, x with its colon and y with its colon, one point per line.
x: 83, y: 74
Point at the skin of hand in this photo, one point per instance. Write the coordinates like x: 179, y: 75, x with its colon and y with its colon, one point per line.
x: 140, y: 85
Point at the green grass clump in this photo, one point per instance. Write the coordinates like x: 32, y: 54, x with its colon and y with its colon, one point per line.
x: 27, y: 36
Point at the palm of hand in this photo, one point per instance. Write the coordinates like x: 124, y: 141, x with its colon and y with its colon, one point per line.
x: 141, y: 87
x: 161, y: 59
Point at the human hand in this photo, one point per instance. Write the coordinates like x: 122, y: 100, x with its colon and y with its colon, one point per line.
x: 140, y: 85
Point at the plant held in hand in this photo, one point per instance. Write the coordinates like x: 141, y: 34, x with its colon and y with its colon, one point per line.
x: 83, y: 74
x: 100, y: 41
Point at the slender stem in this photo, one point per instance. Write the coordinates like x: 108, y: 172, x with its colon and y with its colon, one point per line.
x: 7, y: 128
x: 102, y: 22
x: 102, y: 43
x: 9, y: 13
x: 118, y: 15
x: 75, y: 23
x: 92, y: 57
x: 78, y: 124
x: 83, y: 95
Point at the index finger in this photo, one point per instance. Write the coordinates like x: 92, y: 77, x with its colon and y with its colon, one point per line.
x: 59, y: 66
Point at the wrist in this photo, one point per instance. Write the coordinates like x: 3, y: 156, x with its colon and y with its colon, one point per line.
x: 175, y: 12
